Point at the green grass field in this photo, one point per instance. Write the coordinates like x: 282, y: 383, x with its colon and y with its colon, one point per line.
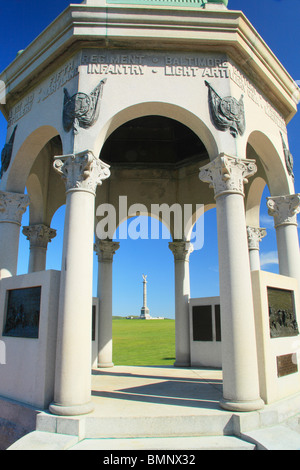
x: 143, y: 342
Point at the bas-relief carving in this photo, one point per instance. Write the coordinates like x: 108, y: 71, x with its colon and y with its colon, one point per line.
x: 82, y: 110
x: 289, y: 161
x: 23, y: 313
x: 227, y: 113
x: 6, y: 153
x: 282, y: 315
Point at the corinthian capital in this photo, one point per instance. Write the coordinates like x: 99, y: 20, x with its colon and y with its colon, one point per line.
x: 106, y: 249
x: 228, y: 174
x: 39, y: 235
x: 284, y: 209
x: 181, y: 250
x: 12, y: 207
x: 82, y: 171
x: 255, y: 236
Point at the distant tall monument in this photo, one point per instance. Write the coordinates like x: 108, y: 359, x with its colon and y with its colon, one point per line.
x: 145, y: 313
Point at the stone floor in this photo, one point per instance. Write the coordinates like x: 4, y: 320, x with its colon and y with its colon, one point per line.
x: 142, y: 408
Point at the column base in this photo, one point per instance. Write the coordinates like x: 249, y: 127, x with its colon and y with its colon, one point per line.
x: 242, y: 406
x: 73, y: 410
x: 181, y: 364
x: 105, y: 365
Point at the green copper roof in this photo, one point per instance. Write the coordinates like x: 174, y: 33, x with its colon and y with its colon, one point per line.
x: 179, y: 3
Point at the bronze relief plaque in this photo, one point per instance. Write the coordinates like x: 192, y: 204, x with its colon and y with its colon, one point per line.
x: 23, y: 313
x: 282, y: 313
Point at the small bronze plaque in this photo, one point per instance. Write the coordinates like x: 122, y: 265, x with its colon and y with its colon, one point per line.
x: 287, y: 365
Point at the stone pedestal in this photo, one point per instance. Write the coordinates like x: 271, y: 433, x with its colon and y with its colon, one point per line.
x: 12, y: 208
x: 105, y: 250
x: 81, y: 173
x: 227, y: 176
x: 255, y: 236
x: 39, y: 236
x: 181, y: 251
x: 284, y: 209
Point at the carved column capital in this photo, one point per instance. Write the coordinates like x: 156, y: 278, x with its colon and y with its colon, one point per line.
x: 255, y: 236
x: 106, y: 249
x: 181, y: 250
x: 82, y: 171
x: 12, y: 207
x: 39, y: 235
x: 284, y: 209
x: 228, y: 174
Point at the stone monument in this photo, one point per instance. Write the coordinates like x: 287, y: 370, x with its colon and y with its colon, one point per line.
x: 145, y: 313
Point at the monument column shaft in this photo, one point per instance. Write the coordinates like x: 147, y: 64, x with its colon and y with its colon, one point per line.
x: 181, y: 251
x: 106, y: 250
x: 227, y: 175
x: 145, y: 295
x: 288, y: 251
x: 12, y: 208
x: 255, y: 235
x: 73, y: 375
x: 284, y: 209
x: 72, y: 394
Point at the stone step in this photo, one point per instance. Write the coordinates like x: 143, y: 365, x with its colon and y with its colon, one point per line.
x: 163, y: 444
x: 97, y: 427
x: 38, y: 440
x: 274, y: 438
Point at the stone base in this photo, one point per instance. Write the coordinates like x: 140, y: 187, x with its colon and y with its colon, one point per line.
x: 242, y: 406
x: 74, y: 410
x: 145, y: 313
x: 105, y: 365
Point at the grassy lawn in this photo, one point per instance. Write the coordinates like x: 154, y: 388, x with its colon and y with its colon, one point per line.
x: 143, y: 342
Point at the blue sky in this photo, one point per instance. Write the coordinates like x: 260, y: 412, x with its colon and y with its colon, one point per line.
x: 277, y: 21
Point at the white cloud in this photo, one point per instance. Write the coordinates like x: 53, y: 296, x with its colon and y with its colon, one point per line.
x: 270, y: 257
x: 266, y: 221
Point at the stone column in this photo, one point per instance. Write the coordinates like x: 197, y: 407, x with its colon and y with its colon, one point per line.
x: 255, y: 236
x: 181, y: 251
x: 284, y: 209
x: 227, y: 175
x: 81, y: 173
x: 39, y: 236
x: 105, y: 250
x: 12, y: 208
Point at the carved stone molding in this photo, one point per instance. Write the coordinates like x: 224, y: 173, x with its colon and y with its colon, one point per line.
x: 12, y: 207
x: 106, y: 249
x: 255, y: 236
x: 82, y: 171
x: 39, y: 235
x: 181, y: 250
x: 228, y: 174
x: 284, y: 209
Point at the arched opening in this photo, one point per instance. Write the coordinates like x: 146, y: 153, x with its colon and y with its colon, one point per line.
x: 155, y: 142
x: 154, y: 161
x: 137, y: 341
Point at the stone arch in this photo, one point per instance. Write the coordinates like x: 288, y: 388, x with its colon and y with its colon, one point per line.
x: 168, y: 110
x: 35, y: 193
x: 26, y: 156
x: 273, y: 166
